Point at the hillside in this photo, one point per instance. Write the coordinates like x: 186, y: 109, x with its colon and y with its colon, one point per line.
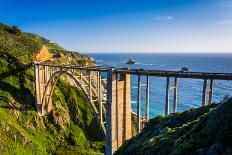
x: 70, y: 129
x: 206, y: 130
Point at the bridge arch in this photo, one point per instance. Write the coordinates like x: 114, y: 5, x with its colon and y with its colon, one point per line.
x: 56, y: 76
x: 46, y: 77
x: 47, y: 94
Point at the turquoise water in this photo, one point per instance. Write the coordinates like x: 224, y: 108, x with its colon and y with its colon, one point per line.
x: 189, y: 90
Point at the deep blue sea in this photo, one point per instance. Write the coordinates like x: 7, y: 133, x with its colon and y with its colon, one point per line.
x: 189, y: 90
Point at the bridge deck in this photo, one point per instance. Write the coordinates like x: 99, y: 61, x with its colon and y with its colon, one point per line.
x: 178, y: 74
x: 159, y: 73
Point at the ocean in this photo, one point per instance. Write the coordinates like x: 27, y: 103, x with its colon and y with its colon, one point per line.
x: 189, y: 90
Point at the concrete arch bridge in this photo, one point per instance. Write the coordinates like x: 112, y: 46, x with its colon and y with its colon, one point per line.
x: 110, y: 97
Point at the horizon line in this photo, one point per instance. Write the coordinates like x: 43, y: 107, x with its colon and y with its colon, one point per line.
x: 129, y: 52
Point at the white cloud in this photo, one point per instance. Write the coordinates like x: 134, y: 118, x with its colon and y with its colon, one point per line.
x: 157, y: 18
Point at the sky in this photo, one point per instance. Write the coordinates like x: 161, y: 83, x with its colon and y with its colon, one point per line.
x: 162, y: 26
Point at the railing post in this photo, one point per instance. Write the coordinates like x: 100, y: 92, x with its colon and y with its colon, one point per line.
x: 204, y: 92
x: 210, y: 92
x: 175, y: 95
x: 147, y: 99
x: 138, y: 105
x: 167, y: 96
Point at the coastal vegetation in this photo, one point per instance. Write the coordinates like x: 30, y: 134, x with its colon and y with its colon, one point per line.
x: 70, y: 129
x: 205, y: 130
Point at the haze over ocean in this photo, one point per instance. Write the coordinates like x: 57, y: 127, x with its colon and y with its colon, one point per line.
x: 189, y: 90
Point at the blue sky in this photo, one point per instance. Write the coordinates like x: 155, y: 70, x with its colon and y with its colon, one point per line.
x: 126, y: 25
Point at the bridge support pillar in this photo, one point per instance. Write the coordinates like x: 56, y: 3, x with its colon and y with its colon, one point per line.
x: 210, y: 92
x: 175, y: 95
x: 36, y: 88
x: 204, y: 93
x: 118, y: 111
x: 138, y: 121
x: 42, y: 75
x: 147, y: 99
x: 167, y: 96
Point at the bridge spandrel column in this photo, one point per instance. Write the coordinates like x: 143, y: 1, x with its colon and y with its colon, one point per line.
x: 49, y: 85
x: 41, y: 82
x: 44, y: 104
x: 36, y: 87
x: 41, y: 87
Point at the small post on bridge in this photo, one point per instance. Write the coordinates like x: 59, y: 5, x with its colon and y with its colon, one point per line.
x: 175, y: 95
x: 147, y: 99
x: 138, y: 125
x: 204, y: 92
x: 167, y: 96
x: 210, y: 92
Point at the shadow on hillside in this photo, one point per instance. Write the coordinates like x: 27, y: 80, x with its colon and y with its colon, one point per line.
x: 16, y: 72
x: 16, y: 68
x: 9, y: 102
x: 25, y: 98
x: 19, y: 92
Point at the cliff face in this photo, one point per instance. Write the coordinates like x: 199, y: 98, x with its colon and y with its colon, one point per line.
x: 206, y: 130
x: 70, y: 129
x: 43, y: 55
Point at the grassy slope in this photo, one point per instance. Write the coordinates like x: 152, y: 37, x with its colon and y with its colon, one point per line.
x: 206, y: 130
x: 45, y: 41
x: 70, y: 129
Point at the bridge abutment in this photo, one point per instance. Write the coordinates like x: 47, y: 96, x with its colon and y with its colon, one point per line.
x: 118, y: 111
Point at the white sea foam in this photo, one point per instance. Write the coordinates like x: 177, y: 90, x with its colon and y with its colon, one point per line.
x: 133, y: 102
